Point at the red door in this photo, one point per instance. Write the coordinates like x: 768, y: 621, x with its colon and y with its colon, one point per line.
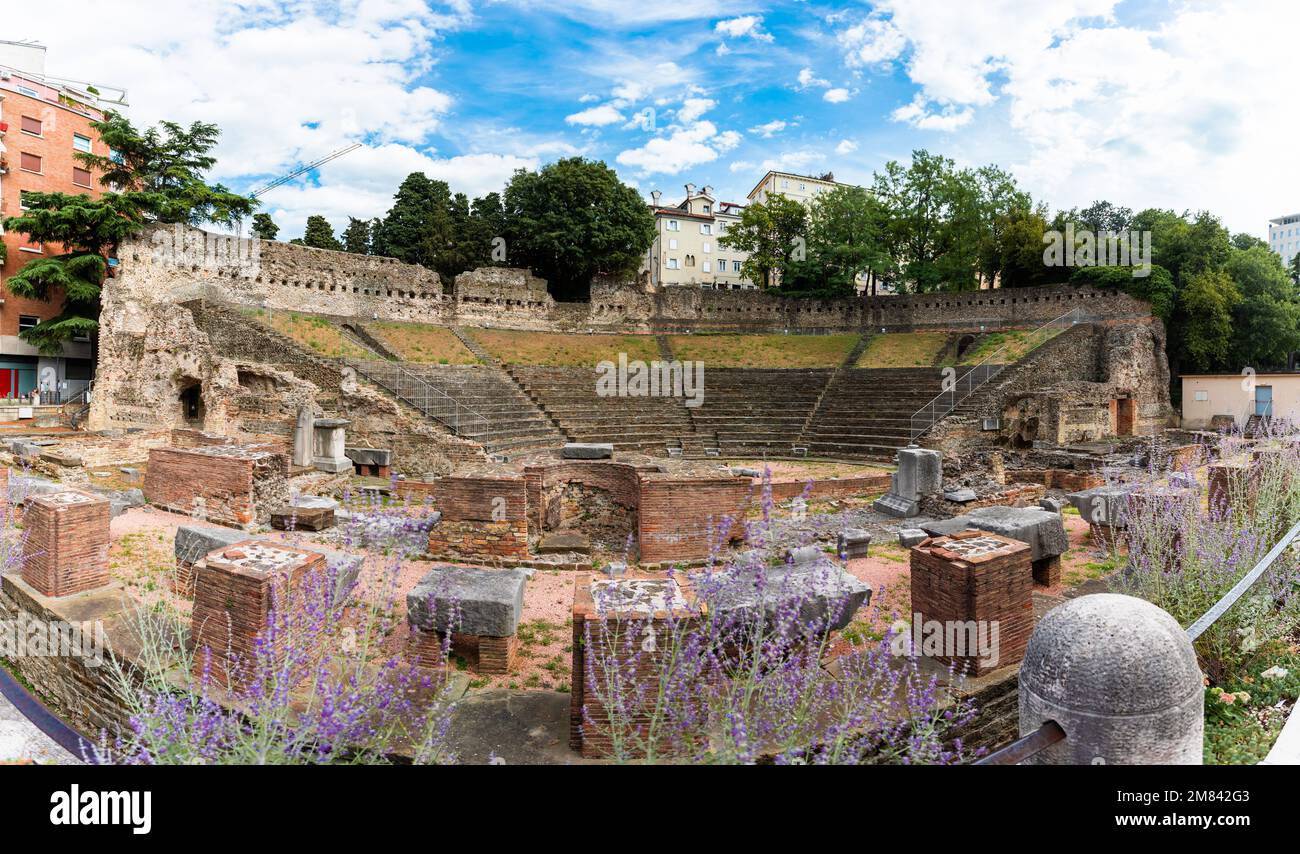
x: 6, y: 382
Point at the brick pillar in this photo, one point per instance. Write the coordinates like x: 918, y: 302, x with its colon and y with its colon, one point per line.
x: 963, y: 587
x: 65, y: 550
x: 649, y: 603
x: 235, y: 590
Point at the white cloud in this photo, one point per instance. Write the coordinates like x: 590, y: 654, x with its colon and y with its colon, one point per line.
x: 768, y: 129
x: 837, y: 95
x: 807, y: 78
x: 692, y: 108
x: 1182, y: 113
x: 798, y: 161
x: 682, y: 148
x: 846, y: 146
x: 595, y: 116
x: 745, y: 25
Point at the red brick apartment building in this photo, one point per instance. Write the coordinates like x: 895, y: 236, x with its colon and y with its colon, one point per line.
x: 43, y: 123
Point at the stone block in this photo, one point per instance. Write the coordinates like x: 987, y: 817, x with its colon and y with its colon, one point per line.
x: 560, y: 542
x: 852, y: 543
x: 827, y: 597
x: 468, y: 600
x: 191, y: 544
x: 960, y: 496
x: 302, y: 518
x: 369, y: 456
x: 1102, y: 505
x: 908, y: 537
x: 1052, y: 505
x: 587, y: 451
x: 1042, y: 530
x: 896, y: 506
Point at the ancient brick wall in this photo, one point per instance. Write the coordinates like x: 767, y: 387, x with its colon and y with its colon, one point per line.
x: 841, y: 487
x: 680, y: 518
x: 229, y: 485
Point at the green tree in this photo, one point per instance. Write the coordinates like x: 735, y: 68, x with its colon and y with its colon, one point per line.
x: 1293, y: 270
x: 774, y: 233
x: 574, y: 220
x: 319, y: 234
x: 418, y: 226
x: 155, y: 176
x: 161, y: 169
x: 264, y: 228
x: 846, y: 238
x: 1207, y: 301
x: 356, y: 237
x: 86, y: 230
x: 1266, y: 321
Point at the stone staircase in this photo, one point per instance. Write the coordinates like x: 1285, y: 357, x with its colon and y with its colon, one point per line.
x: 866, y: 412
x: 476, y: 402
x: 568, y: 395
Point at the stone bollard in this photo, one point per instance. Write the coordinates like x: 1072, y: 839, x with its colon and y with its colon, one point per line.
x: 1120, y: 677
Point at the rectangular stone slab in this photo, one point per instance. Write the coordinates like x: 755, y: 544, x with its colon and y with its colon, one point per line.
x: 587, y: 451
x: 195, y: 541
x: 485, y: 601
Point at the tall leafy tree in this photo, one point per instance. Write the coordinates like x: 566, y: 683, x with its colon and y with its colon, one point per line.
x: 356, y: 237
x: 162, y: 170
x: 264, y: 228
x: 319, y: 234
x: 846, y: 238
x: 418, y: 226
x: 574, y: 220
x: 155, y: 175
x: 1266, y: 321
x: 774, y: 233
x: 1207, y: 301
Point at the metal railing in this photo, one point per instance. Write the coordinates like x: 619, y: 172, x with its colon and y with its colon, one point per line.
x: 76, y: 406
x: 979, y: 374
x: 1051, y: 733
x: 462, y: 420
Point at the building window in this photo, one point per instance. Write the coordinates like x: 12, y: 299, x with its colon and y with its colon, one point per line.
x: 735, y: 266
x: 81, y: 143
x: 673, y: 225
x: 22, y: 199
x: 30, y: 162
x: 722, y: 265
x: 672, y: 263
x: 705, y: 267
x: 1202, y: 395
x: 27, y: 321
x: 708, y: 248
x: 706, y: 228
x: 30, y: 93
x: 672, y: 243
x: 31, y: 125
x: 27, y: 246
x: 81, y: 177
x: 708, y: 208
x: 690, y: 260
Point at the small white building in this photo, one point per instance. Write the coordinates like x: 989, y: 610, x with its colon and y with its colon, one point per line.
x: 1239, y: 396
x: 1284, y: 237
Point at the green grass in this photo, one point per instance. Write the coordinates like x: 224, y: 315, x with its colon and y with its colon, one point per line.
x: 557, y: 349
x: 1241, y: 732
x: 423, y: 342
x: 1018, y: 343
x: 315, y: 333
x: 903, y: 350
x: 763, y: 351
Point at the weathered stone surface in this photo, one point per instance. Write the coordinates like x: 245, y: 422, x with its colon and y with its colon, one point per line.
x: 482, y: 601
x: 852, y: 543
x: 920, y: 473
x: 1102, y: 505
x: 744, y: 471
x: 1043, y: 530
x: 616, y: 569
x: 564, y: 541
x: 1053, y: 505
x: 1121, y: 677
x: 961, y: 496
x: 294, y: 518
x: 896, y: 506
x: 803, y: 554
x: 369, y: 456
x: 587, y: 451
x: 194, y: 541
x: 908, y: 537
x: 826, y: 595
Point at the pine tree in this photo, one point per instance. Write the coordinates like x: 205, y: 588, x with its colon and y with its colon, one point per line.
x: 356, y: 237
x: 320, y: 234
x: 264, y: 228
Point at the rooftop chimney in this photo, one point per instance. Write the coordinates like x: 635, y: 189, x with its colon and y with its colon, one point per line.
x: 655, y: 194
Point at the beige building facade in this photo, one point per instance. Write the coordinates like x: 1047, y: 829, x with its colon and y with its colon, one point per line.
x: 801, y: 188
x: 686, y: 249
x: 1239, y: 396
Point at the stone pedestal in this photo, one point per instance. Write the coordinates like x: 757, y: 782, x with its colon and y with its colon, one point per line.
x: 480, y: 607
x: 329, y: 451
x: 370, y: 462
x: 920, y: 473
x: 236, y: 589
x: 65, y: 549
x: 1042, y: 530
x: 852, y: 543
x: 608, y: 613
x: 192, y: 544
x: 303, y: 438
x: 972, y: 598
x: 293, y: 518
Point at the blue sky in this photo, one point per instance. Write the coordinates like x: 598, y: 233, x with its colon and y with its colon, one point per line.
x: 1172, y: 104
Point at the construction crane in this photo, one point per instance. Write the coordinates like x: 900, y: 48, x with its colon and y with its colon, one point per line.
x: 303, y: 170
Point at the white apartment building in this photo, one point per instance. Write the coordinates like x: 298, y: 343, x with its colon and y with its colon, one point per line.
x: 801, y: 188
x: 1284, y: 237
x: 686, y: 249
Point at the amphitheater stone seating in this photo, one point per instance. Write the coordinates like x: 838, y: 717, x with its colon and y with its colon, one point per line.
x: 757, y: 411
x: 865, y: 412
x: 485, y: 405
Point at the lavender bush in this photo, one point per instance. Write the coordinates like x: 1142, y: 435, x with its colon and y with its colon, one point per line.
x: 318, y: 688
x: 713, y: 683
x: 1184, y: 554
